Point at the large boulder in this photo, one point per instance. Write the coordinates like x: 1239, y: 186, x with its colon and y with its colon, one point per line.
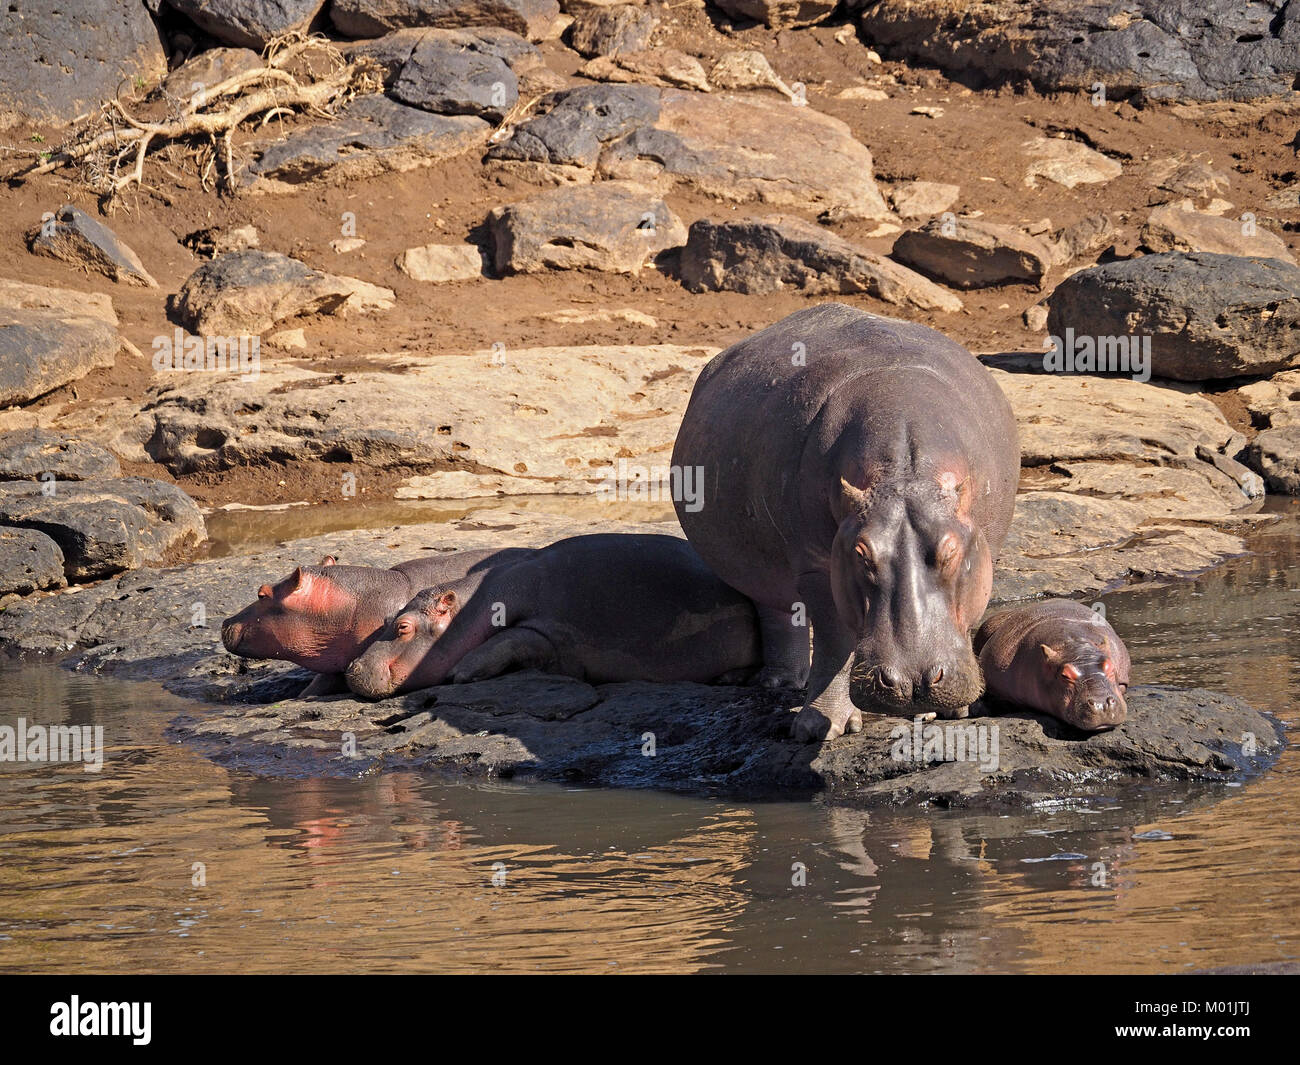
x: 370, y: 135
x: 1208, y: 316
x: 611, y: 225
x: 50, y: 336
x: 59, y: 60
x: 1275, y: 453
x: 105, y: 527
x: 972, y: 253
x: 736, y: 147
x: 244, y: 293
x: 374, y: 18
x: 250, y: 23
x: 75, y: 237
x: 1274, y: 402
x: 762, y: 255
x: 1162, y: 49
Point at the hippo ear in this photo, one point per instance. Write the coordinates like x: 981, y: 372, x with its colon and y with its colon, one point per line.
x: 851, y: 495
x: 328, y: 560
x: 1051, y: 654
x: 446, y: 604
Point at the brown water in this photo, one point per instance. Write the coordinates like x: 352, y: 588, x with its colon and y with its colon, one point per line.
x: 395, y: 872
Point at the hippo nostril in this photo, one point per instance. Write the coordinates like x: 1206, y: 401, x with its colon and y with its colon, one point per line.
x: 1110, y: 704
x: 891, y: 678
x: 934, y: 678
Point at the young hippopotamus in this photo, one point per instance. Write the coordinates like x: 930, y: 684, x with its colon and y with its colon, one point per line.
x: 1057, y: 657
x: 602, y: 608
x: 322, y: 617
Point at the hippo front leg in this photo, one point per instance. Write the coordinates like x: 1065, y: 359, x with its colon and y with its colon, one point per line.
x: 505, y: 652
x: 324, y: 684
x: 827, y: 712
x: 784, y: 635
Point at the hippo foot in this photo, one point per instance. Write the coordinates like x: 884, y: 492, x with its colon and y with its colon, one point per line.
x: 779, y: 677
x: 812, y: 726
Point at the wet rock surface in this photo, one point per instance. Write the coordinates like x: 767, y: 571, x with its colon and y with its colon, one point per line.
x: 716, y: 739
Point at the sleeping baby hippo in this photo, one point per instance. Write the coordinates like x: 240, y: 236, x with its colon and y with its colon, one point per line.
x: 1057, y: 657
x: 602, y: 608
x: 322, y: 617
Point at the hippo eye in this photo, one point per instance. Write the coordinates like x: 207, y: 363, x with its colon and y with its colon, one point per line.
x: 404, y: 627
x: 1070, y: 672
x: 863, y: 550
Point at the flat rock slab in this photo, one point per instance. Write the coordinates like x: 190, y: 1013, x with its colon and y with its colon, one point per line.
x: 972, y: 253
x: 34, y: 454
x: 1208, y: 316
x: 734, y: 741
x: 370, y: 135
x: 1171, y: 228
x: 763, y: 255
x: 454, y: 77
x: 51, y: 336
x: 736, y: 147
x: 75, y: 237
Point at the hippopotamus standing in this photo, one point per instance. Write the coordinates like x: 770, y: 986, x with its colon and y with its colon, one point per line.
x: 602, y: 608
x: 1058, y: 657
x: 321, y: 617
x: 859, y: 473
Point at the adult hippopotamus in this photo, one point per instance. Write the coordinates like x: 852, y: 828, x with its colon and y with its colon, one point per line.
x: 1057, y: 657
x: 858, y: 473
x: 322, y: 617
x: 602, y: 608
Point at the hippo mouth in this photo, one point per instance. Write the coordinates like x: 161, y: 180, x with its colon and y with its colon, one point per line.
x: 232, y: 635
x: 369, y: 681
x: 946, y: 692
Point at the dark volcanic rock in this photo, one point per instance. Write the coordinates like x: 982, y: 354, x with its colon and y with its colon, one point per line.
x: 612, y: 225
x: 370, y: 135
x: 1164, y: 49
x: 75, y: 237
x: 32, y: 454
x: 50, y: 336
x: 1209, y: 316
x: 1275, y: 453
x: 374, y: 18
x: 59, y: 60
x: 251, y: 23
x: 29, y: 561
x: 454, y: 78
x: 762, y: 255
x: 105, y: 527
x: 610, y: 30
x: 735, y: 741
x: 572, y: 125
